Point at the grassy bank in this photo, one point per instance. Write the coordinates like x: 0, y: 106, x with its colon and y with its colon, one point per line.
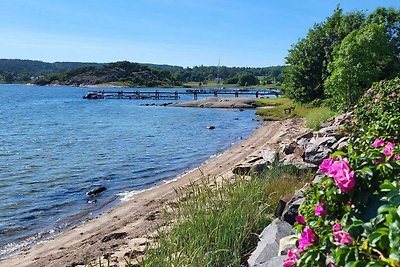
x: 284, y: 108
x: 218, y: 225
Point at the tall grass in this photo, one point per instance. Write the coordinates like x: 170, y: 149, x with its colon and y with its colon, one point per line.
x: 218, y: 225
x: 316, y: 116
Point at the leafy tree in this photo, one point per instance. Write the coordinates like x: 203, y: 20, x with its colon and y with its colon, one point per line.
x: 246, y: 79
x: 309, y: 58
x: 360, y: 60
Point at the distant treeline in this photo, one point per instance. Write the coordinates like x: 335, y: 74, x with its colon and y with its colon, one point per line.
x: 229, y: 75
x: 135, y: 74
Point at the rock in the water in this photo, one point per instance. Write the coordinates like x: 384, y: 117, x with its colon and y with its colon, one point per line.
x: 96, y: 191
x: 268, y: 246
x: 210, y: 127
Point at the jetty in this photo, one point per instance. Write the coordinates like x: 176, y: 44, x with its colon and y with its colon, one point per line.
x: 175, y: 95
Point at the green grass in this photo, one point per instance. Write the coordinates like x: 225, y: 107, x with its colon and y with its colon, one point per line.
x: 218, y: 225
x: 274, y: 110
x: 316, y: 116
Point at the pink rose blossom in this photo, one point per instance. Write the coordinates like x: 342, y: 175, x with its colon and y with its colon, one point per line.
x: 376, y: 100
x: 397, y: 157
x: 339, y: 165
x: 369, y: 90
x: 337, y: 227
x: 378, y: 96
x: 331, y: 264
x: 342, y: 238
x: 326, y: 165
x: 307, y: 238
x: 292, y: 259
x: 345, y: 180
x: 319, y: 210
x: 388, y: 150
x: 300, y: 219
x: 393, y: 94
x: 378, y: 143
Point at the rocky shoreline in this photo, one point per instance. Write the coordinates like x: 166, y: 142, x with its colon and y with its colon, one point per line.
x: 128, y: 227
x: 305, y: 152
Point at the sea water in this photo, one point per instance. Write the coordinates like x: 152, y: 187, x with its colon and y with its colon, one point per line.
x: 55, y: 146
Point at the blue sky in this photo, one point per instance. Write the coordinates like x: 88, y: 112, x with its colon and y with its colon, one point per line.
x: 176, y: 32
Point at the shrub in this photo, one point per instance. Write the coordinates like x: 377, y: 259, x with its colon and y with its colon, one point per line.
x: 352, y: 216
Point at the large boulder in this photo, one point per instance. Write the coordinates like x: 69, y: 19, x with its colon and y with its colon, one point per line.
x: 268, y: 246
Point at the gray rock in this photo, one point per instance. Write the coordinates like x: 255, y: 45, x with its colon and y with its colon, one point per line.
x: 287, y: 243
x: 268, y: 246
x: 269, y: 156
x: 275, y: 261
x: 303, y: 142
x: 298, y: 162
x: 315, y: 154
x: 291, y: 211
x: 323, y: 141
x: 317, y: 179
x: 329, y: 131
x: 343, y: 142
x: 256, y: 165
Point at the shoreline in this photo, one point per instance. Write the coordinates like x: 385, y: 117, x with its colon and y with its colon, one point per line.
x: 126, y: 225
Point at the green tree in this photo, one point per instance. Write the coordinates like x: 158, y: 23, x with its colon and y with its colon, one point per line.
x: 246, y: 79
x: 360, y: 60
x: 309, y: 58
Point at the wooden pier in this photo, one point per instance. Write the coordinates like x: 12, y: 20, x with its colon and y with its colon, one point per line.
x: 175, y: 95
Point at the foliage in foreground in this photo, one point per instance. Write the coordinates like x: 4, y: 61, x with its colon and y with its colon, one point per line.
x: 218, y: 226
x: 352, y: 216
x: 343, y: 55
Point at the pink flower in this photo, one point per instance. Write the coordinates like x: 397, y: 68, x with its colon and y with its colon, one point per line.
x: 378, y: 96
x: 393, y: 94
x: 388, y: 150
x: 378, y: 143
x: 339, y: 165
x: 337, y: 227
x: 292, y: 259
x: 369, y: 90
x: 344, y: 179
x: 331, y: 264
x: 307, y: 238
x: 397, y: 157
x: 300, y: 219
x: 342, y: 238
x: 376, y: 100
x: 319, y: 210
x: 326, y: 165
x: 369, y: 105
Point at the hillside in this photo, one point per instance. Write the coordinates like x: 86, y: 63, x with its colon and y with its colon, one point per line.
x: 123, y: 73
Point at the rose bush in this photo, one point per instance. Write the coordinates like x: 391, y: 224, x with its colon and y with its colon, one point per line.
x: 352, y: 216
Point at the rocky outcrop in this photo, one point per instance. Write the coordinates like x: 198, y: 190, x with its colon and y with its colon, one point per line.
x: 268, y: 246
x: 305, y: 152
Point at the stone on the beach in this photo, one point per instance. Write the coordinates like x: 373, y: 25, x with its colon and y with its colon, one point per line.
x: 96, y: 190
x: 268, y: 246
x: 114, y: 236
x: 269, y: 155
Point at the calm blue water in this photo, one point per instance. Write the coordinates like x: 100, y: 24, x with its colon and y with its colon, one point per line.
x: 56, y: 146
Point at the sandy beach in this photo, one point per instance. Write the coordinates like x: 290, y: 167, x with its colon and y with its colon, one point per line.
x: 125, y: 227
